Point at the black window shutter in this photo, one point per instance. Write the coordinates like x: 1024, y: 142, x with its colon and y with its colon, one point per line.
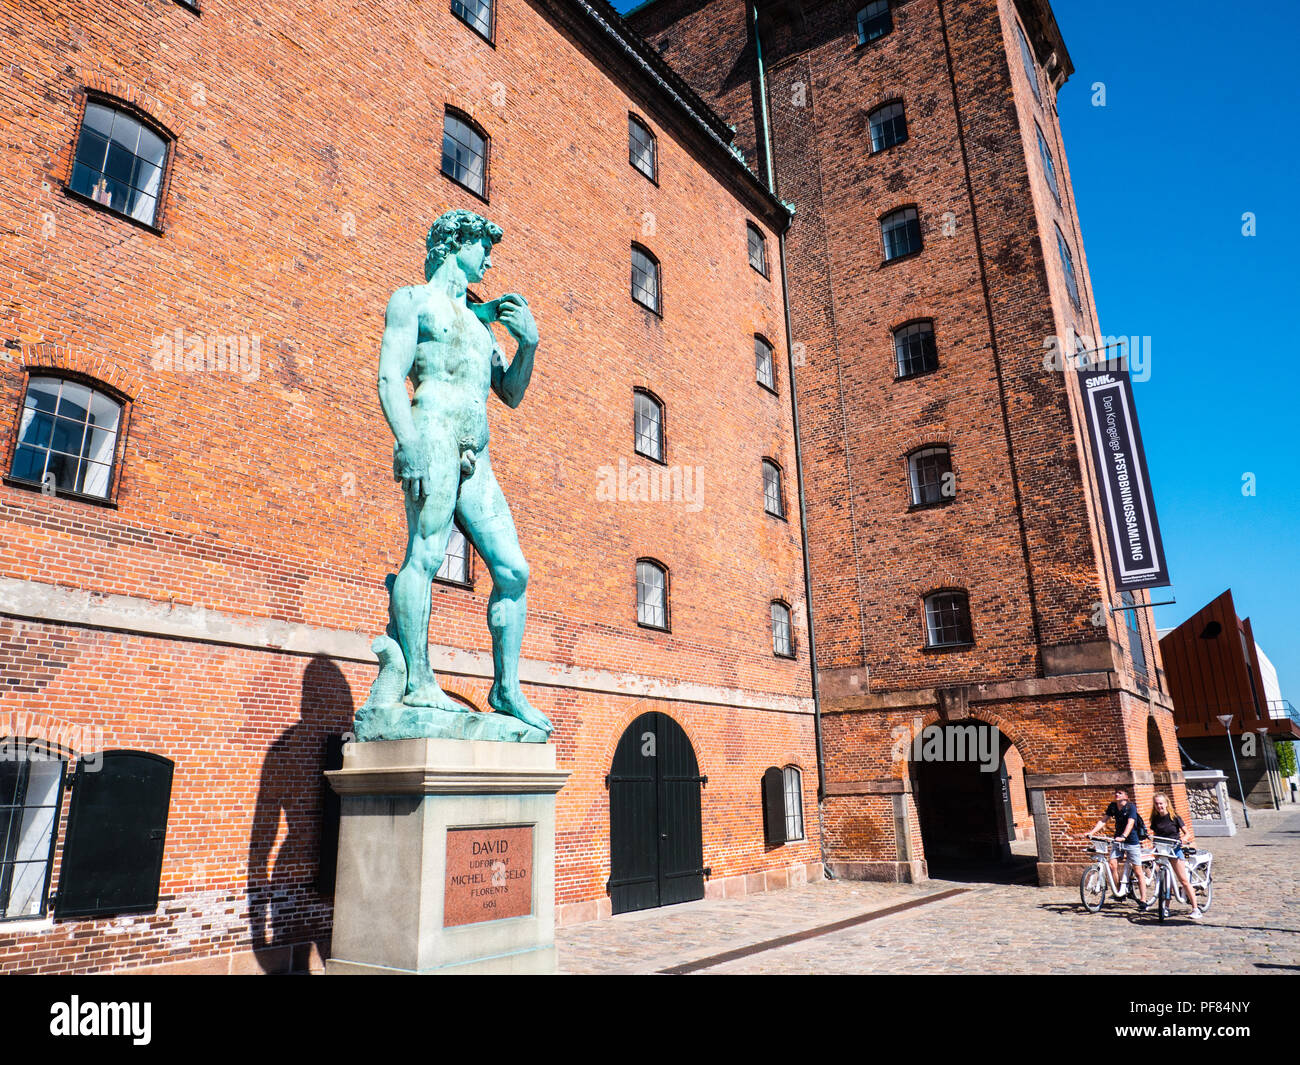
x: 117, y: 826
x: 774, y: 806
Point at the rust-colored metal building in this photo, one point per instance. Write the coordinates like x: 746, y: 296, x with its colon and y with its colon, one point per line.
x: 1212, y: 664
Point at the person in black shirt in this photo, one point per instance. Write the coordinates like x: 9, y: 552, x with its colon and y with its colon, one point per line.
x: 1129, y: 833
x: 1168, y: 825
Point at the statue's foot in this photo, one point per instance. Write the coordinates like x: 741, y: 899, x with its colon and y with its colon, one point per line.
x: 511, y: 701
x: 431, y: 694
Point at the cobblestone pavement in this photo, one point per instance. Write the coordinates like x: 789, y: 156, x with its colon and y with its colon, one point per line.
x: 1252, y: 927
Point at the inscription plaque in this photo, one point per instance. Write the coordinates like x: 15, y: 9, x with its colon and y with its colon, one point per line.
x: 489, y: 874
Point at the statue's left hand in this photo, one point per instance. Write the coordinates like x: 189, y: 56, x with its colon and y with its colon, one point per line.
x: 513, y: 312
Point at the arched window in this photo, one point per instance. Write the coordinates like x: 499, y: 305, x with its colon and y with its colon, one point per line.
x: 120, y: 162
x: 465, y: 153
x: 1027, y: 58
x: 757, y: 248
x: 764, y: 365
x: 1049, y: 167
x: 947, y: 619
x: 31, y: 792
x: 455, y: 568
x: 782, y: 805
x: 1067, y: 266
x: 773, y: 496
x: 901, y: 232
x: 648, y: 425
x: 874, y: 21
x: 651, y: 594
x: 930, y: 472
x: 1133, y: 627
x: 67, y: 438
x: 915, y: 351
x: 476, y: 14
x: 888, y: 126
x: 645, y: 278
x: 642, y: 152
x: 792, y: 778
x: 782, y: 632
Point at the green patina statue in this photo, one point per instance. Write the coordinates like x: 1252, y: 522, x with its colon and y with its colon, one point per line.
x: 445, y: 345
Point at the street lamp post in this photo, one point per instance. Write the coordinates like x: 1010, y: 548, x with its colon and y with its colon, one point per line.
x: 1226, y: 721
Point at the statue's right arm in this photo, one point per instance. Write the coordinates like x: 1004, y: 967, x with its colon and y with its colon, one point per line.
x: 396, y: 357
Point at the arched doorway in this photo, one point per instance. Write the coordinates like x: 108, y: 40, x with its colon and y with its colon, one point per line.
x: 656, y: 841
x: 970, y: 802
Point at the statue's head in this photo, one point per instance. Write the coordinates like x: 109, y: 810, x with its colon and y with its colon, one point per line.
x: 466, y: 235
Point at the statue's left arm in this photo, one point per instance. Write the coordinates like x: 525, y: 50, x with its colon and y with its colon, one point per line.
x: 510, y: 382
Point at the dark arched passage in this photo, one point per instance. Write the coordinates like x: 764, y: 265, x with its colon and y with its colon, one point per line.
x: 965, y: 803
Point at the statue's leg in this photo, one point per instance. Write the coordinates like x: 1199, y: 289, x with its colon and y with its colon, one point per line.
x: 428, y: 521
x: 485, y: 517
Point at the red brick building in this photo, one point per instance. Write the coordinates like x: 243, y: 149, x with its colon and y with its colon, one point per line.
x: 938, y: 287
x: 207, y: 210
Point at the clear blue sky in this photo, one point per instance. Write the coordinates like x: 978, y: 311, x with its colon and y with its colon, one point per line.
x: 1201, y: 124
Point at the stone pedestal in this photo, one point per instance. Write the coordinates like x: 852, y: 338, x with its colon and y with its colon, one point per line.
x: 1207, y: 793
x: 446, y: 857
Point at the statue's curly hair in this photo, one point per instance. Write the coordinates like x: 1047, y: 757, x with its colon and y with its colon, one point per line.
x: 451, y: 232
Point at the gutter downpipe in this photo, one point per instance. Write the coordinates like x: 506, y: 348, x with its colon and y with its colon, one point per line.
x: 794, y: 410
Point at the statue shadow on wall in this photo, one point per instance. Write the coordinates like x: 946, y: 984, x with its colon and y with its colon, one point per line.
x: 290, y: 887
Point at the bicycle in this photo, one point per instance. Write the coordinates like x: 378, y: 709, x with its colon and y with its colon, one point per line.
x: 1200, y: 873
x: 1097, y: 878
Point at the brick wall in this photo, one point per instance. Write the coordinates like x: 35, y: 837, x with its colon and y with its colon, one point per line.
x: 1022, y: 534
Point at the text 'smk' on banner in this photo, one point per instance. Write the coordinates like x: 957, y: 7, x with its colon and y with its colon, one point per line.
x: 1129, y: 510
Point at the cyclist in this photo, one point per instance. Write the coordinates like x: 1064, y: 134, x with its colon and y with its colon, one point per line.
x: 1166, y: 823
x: 1129, y: 833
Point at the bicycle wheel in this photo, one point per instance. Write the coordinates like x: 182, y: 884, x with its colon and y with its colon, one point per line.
x: 1205, y: 892
x: 1163, y: 890
x: 1092, y: 888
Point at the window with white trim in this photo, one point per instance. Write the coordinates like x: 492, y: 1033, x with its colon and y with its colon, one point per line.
x: 651, y: 595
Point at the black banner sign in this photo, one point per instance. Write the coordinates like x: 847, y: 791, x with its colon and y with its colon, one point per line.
x: 1121, y: 466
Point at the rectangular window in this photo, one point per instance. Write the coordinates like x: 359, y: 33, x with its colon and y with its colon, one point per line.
x: 1049, y: 168
x: 67, y: 438
x: 764, y: 367
x: 651, y: 596
x: 648, y: 425
x: 1027, y: 58
x: 888, y: 127
x: 915, y: 349
x: 782, y: 637
x: 772, y: 502
x: 31, y: 788
x: 119, y: 163
x: 477, y: 14
x: 757, y: 250
x: 874, y: 21
x: 464, y: 154
x: 1067, y: 267
x: 932, y: 479
x: 947, y: 620
x: 455, y: 562
x: 901, y: 231
x: 1135, y: 648
x: 645, y: 279
x: 641, y: 147
x: 793, y: 803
